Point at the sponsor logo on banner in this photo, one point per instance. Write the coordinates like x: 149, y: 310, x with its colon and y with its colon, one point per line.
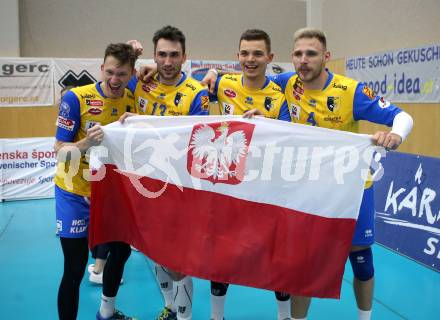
x: 142, y: 103
x: 65, y: 123
x: 228, y: 108
x: 211, y: 155
x: 70, y: 78
x: 277, y: 69
x: 333, y: 103
x: 295, y: 111
x: 94, y: 103
x: 230, y: 93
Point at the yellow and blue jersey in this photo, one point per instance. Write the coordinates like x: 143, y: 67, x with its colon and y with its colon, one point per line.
x: 80, y: 109
x: 339, y: 105
x: 187, y: 97
x: 234, y: 98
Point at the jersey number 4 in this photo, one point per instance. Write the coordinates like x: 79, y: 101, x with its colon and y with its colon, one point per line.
x: 311, y: 119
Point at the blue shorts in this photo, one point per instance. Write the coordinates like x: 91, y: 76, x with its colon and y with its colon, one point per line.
x: 72, y: 212
x: 364, y: 230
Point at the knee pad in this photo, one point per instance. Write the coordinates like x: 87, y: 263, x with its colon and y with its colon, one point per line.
x: 219, y: 289
x: 362, y: 264
x: 282, y: 296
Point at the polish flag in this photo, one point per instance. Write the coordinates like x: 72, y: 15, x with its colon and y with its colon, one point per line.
x: 255, y: 202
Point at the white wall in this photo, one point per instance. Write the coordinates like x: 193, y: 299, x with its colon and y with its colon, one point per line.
x: 9, y: 26
x: 357, y: 27
x: 82, y: 28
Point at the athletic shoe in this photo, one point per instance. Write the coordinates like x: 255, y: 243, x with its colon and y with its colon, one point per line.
x: 118, y: 315
x: 96, y: 278
x: 167, y: 314
x: 91, y: 267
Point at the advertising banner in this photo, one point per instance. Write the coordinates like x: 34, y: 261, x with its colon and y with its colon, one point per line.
x: 27, y: 167
x: 408, y: 207
x: 406, y: 75
x: 26, y: 82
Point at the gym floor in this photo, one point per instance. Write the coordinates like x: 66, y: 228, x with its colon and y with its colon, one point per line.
x: 31, y: 267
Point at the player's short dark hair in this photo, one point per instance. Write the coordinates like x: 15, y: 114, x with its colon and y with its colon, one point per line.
x: 169, y: 33
x: 122, y: 52
x: 310, y: 33
x: 256, y: 34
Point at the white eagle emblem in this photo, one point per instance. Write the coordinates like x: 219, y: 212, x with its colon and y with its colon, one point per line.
x: 217, y: 157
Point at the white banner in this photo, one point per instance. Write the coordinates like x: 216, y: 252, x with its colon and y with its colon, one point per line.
x: 26, y: 82
x: 406, y: 75
x: 75, y: 72
x: 27, y: 167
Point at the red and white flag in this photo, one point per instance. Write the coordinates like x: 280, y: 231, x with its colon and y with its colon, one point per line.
x: 256, y: 202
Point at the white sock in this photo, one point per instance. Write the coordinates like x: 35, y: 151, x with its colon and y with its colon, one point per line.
x: 107, y: 307
x: 166, y: 286
x: 283, y: 309
x: 183, y: 298
x: 364, y: 315
x: 217, y: 307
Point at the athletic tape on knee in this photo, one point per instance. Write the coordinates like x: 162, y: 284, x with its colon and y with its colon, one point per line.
x: 362, y: 264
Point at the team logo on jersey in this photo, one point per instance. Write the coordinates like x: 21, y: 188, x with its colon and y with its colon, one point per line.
x: 205, y: 102
x: 368, y: 92
x: 227, y: 108
x: 217, y: 151
x: 94, y: 103
x: 64, y: 109
x: 230, y: 93
x: 383, y: 103
x: 295, y: 111
x: 95, y: 111
x: 90, y: 124
x: 149, y: 86
x: 268, y: 103
x: 142, y: 103
x: 178, y: 98
x: 161, y: 96
x: 65, y: 123
x: 249, y: 100
x: 115, y: 111
x: 312, y: 103
x: 332, y: 103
